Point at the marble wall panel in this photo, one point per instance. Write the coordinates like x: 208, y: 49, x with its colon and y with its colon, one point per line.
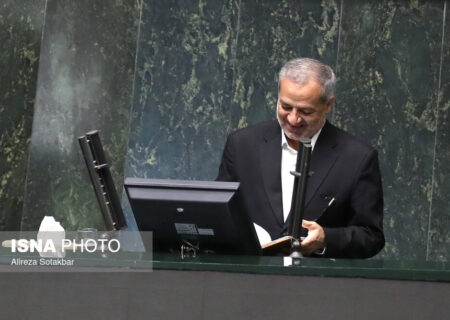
x: 85, y: 83
x: 439, y: 222
x: 388, y: 70
x: 182, y: 88
x: 270, y: 34
x: 207, y: 68
x: 203, y: 69
x: 21, y: 25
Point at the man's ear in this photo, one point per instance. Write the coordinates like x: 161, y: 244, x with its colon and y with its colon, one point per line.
x: 330, y: 104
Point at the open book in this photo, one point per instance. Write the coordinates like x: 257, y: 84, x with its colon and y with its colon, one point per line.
x: 280, y: 246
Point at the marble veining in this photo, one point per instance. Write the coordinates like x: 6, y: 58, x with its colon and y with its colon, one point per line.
x: 20, y: 33
x: 85, y: 80
x: 166, y: 98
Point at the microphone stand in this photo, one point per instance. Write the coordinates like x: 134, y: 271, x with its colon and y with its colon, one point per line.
x: 301, y: 174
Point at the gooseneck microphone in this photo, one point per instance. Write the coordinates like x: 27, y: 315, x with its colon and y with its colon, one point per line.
x: 301, y: 174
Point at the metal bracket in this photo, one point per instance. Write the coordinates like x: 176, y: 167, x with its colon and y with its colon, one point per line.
x: 298, y: 174
x: 188, y: 250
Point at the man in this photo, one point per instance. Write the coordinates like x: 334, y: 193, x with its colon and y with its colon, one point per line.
x: 344, y: 200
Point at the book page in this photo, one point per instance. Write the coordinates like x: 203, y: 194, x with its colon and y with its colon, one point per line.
x: 263, y: 235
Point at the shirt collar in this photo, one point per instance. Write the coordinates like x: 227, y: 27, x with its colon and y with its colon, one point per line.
x: 284, y: 143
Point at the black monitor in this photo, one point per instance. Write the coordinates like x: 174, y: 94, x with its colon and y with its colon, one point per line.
x: 206, y: 214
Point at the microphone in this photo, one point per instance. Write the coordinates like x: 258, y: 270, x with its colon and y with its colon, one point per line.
x: 301, y: 174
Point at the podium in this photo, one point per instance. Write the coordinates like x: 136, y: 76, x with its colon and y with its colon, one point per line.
x: 226, y: 287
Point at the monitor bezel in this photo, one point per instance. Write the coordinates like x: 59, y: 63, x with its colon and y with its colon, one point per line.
x: 232, y: 221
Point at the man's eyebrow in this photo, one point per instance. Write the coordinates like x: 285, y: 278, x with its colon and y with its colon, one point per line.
x: 297, y: 107
x: 285, y: 103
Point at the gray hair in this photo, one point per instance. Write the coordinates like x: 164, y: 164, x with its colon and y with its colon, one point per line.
x: 301, y: 70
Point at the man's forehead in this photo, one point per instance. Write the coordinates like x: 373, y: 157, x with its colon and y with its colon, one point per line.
x: 293, y: 92
x: 294, y: 104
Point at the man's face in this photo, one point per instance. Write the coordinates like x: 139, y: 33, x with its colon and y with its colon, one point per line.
x: 300, y: 111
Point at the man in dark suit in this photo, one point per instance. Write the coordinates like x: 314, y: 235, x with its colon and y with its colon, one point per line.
x: 344, y: 198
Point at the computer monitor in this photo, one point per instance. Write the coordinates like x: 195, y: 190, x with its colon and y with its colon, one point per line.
x: 206, y: 214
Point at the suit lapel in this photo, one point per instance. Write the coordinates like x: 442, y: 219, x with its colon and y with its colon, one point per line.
x: 270, y: 155
x: 322, y: 160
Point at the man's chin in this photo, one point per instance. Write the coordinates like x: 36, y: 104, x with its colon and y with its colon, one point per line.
x: 292, y: 136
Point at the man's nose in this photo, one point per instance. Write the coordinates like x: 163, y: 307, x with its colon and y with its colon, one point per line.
x: 294, y: 117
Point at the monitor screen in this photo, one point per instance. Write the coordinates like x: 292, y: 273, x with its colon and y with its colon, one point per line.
x: 206, y: 214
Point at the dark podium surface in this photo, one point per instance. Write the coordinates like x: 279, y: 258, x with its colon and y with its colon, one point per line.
x: 164, y: 286
x: 375, y: 269
x: 134, y: 261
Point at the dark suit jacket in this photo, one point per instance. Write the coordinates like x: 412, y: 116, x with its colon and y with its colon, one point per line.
x: 344, y: 168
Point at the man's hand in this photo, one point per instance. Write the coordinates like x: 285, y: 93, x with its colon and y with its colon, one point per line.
x: 315, y: 241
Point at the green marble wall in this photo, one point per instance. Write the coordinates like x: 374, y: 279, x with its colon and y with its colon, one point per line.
x: 389, y: 60
x: 20, y: 36
x: 438, y: 244
x: 85, y: 82
x: 205, y: 68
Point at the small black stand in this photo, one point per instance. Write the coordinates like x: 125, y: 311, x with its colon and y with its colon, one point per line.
x: 301, y: 174
x: 188, y: 250
x: 102, y: 181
